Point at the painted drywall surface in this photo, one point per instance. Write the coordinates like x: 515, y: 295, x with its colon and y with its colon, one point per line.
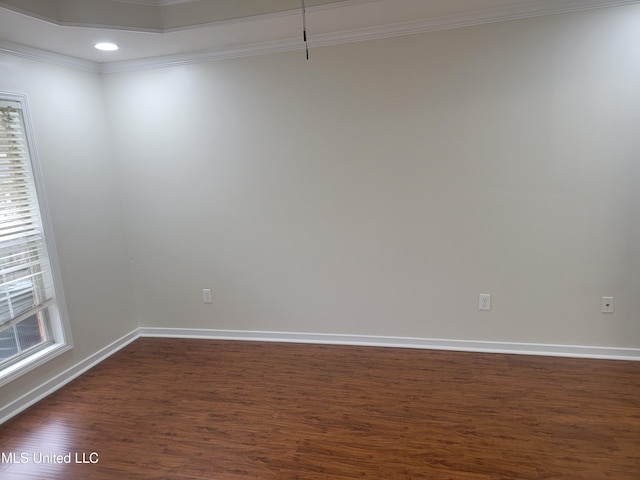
x: 72, y: 140
x: 379, y: 187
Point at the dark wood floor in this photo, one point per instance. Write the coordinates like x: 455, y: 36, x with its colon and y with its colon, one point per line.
x: 197, y: 409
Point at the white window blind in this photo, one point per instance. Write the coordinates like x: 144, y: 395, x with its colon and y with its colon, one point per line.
x: 26, y: 285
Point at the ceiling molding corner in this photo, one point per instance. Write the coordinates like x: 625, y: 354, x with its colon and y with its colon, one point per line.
x: 30, y: 53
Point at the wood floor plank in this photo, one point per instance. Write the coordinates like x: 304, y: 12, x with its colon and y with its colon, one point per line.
x: 199, y: 409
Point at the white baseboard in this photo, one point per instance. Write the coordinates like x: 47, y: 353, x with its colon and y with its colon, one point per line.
x: 50, y: 386
x: 53, y: 384
x: 609, y: 353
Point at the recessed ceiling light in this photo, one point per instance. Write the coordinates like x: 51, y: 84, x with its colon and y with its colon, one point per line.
x: 106, y: 46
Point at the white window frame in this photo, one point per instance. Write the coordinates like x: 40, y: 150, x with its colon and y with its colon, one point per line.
x: 59, y: 327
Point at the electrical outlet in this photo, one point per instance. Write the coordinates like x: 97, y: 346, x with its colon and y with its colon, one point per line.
x: 484, y: 301
x: 206, y: 295
x: 607, y: 304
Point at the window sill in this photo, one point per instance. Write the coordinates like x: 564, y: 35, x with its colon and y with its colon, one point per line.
x: 27, y: 364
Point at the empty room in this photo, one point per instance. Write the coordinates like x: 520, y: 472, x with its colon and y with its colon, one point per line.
x: 320, y: 239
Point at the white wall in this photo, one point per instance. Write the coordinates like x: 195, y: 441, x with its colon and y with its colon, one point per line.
x: 73, y: 142
x: 379, y: 187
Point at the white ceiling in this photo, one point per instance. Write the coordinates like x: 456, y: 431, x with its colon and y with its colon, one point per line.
x: 171, y: 30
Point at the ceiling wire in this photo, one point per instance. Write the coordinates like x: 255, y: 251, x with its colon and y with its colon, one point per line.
x: 304, y: 29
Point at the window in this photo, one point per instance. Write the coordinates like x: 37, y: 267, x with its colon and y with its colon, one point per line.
x: 31, y: 327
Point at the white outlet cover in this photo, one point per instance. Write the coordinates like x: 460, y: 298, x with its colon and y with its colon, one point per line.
x: 484, y: 301
x: 206, y: 295
x: 607, y: 304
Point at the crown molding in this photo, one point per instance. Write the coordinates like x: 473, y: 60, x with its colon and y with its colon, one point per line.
x: 19, y: 50
x: 154, y: 3
x: 529, y: 9
x: 262, y: 48
x: 494, y: 15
